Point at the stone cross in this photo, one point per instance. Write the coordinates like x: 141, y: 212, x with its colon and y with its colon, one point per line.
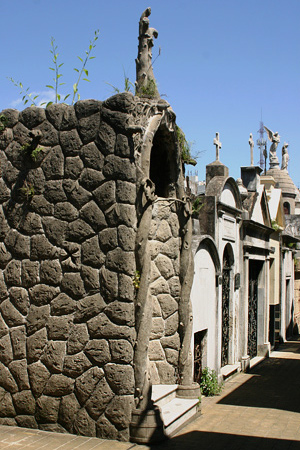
x: 251, y: 143
x: 218, y: 145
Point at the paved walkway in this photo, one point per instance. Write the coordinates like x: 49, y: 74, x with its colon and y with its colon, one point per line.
x: 258, y: 410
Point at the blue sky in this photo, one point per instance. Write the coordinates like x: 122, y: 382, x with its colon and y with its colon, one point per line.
x: 222, y: 63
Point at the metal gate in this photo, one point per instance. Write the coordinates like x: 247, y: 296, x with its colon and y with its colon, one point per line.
x: 254, y: 269
x: 225, y: 308
x: 199, y: 351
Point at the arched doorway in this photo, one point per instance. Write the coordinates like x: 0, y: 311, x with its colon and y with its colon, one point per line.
x: 226, y: 296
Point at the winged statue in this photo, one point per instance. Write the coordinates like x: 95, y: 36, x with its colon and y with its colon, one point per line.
x: 275, y: 139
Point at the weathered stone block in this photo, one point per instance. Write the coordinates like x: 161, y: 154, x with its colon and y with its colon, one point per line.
x: 99, y: 399
x: 97, y: 350
x: 32, y: 116
x: 105, y: 429
x: 78, y: 195
x: 90, y: 179
x: 159, y: 286
x: 84, y: 425
x: 75, y: 365
x: 41, y: 248
x: 85, y: 108
x: 37, y: 318
x: 121, y: 351
x: 10, y: 314
x: 73, y: 285
x: 78, y: 231
x: 128, y: 215
x: 121, y: 313
x: 120, y: 378
x: 73, y: 167
x: 18, y: 244
x: 53, y: 164
x: 70, y: 142
x: 125, y: 192
x: 5, y: 256
x: 29, y: 273
x: 18, y: 342
x: 88, y: 127
x: 69, y: 119
x: 63, y: 304
x: 126, y: 287
x: 171, y: 324
x: 155, y: 351
x: 118, y: 168
x: 108, y: 284
x: 171, y: 341
x: 53, y: 356
x: 12, y: 273
x: 4, y: 192
x: 36, y: 344
x: 90, y: 278
x: 38, y: 376
x: 55, y: 228
x: 93, y: 215
x: 26, y: 422
x: 54, y: 191
x: 91, y: 254
x: 71, y: 257
x: 19, y: 371
x: 6, y: 353
x: 7, y: 408
x: 20, y: 299
x: 3, y: 288
x: 3, y: 327
x: 106, y: 138
x: 119, y: 411
x: 64, y: 211
x: 78, y: 338
x: 42, y: 294
x: 168, y: 305
x: 68, y: 409
x: 59, y: 385
x: 175, y: 287
x: 123, y: 148
x: 49, y: 134
x: 41, y: 206
x: 105, y: 195
x: 51, y: 272
x: 121, y: 261
x: 54, y: 114
x: 123, y: 102
x: 101, y: 327
x: 92, y: 157
x: 126, y: 238
x: 108, y: 239
x: 165, y: 266
x: 87, y: 382
x: 89, y: 307
x: 166, y: 372
x: 158, y: 327
x: 47, y: 409
x: 58, y: 328
x: 6, y: 380
x: 24, y: 403
x: 172, y: 356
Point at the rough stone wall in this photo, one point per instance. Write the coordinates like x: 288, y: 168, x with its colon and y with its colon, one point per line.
x: 165, y: 245
x: 67, y: 236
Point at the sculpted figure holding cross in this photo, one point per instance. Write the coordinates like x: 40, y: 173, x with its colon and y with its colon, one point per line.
x: 218, y: 145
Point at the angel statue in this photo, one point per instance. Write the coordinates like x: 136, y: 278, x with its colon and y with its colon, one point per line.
x: 275, y: 139
x: 285, y: 157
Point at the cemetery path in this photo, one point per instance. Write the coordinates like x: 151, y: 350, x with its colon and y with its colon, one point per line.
x: 257, y: 410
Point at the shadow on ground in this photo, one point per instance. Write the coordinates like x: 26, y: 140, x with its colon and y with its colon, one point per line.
x: 203, y: 440
x: 274, y: 384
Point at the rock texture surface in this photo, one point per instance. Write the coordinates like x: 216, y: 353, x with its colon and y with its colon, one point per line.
x: 67, y: 236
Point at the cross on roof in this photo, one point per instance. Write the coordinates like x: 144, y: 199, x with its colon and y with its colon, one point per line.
x: 218, y: 145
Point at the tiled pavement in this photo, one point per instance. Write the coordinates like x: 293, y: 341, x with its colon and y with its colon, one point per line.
x: 258, y: 410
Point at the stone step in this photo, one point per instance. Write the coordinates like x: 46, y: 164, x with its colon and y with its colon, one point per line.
x: 229, y: 370
x: 175, y: 412
x: 163, y: 393
x: 178, y: 412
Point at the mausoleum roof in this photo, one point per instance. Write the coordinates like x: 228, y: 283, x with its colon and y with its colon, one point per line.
x: 283, y: 181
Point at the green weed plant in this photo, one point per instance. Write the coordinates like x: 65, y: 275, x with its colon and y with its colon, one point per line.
x: 209, y: 385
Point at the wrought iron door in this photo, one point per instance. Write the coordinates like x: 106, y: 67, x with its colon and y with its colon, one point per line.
x: 254, y: 268
x: 197, y: 357
x: 225, y: 308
